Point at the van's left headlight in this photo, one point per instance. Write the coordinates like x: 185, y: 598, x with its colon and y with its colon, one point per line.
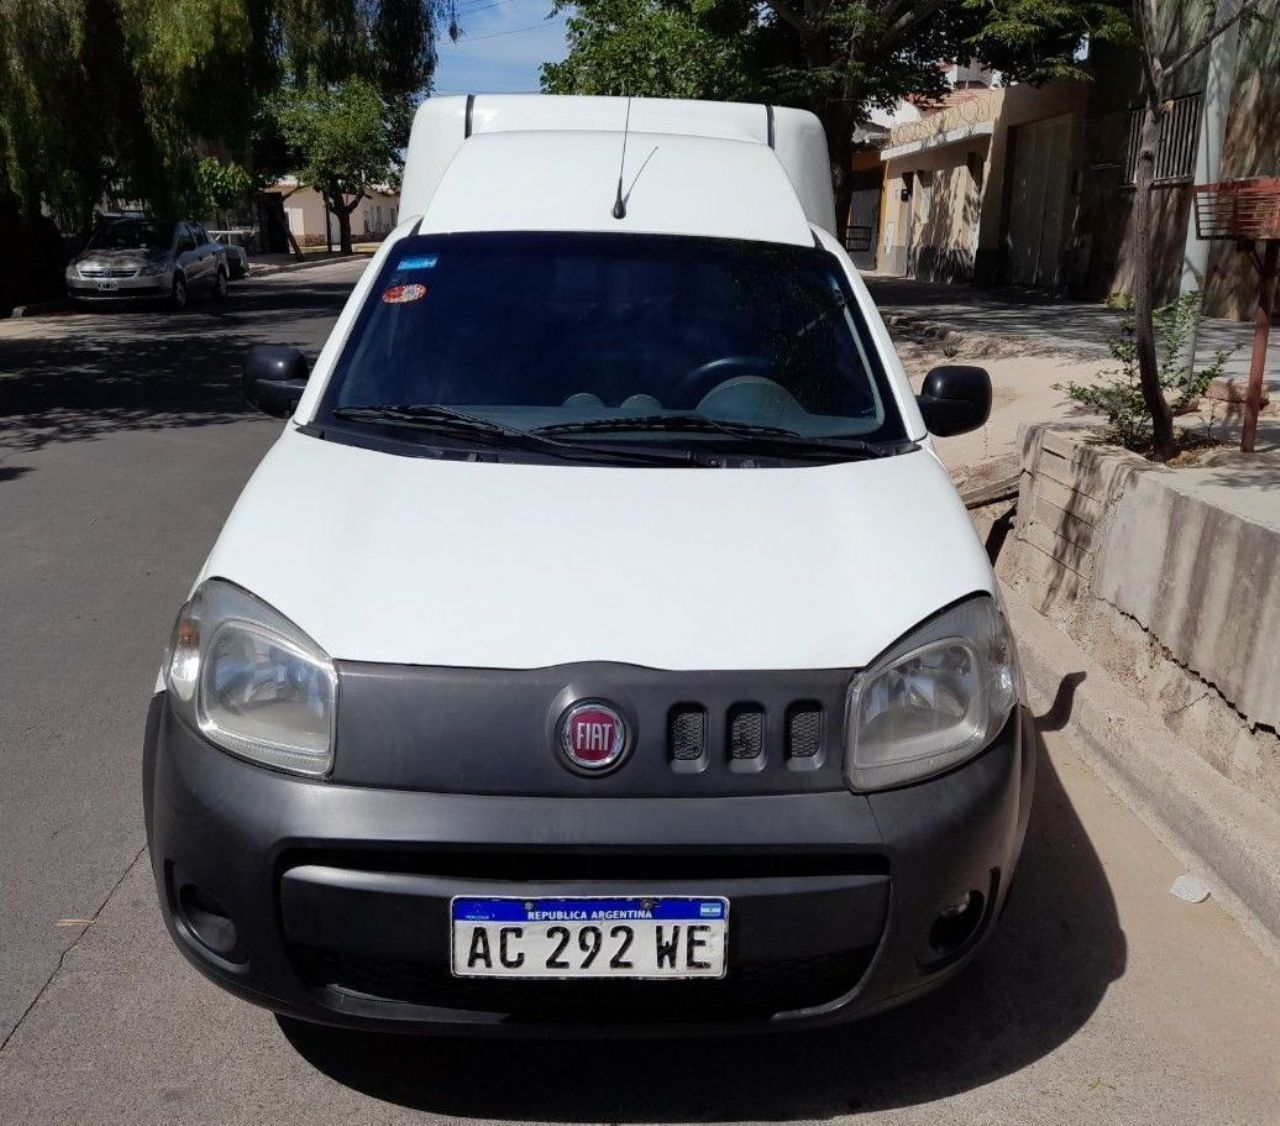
x: 935, y: 699
x: 252, y: 681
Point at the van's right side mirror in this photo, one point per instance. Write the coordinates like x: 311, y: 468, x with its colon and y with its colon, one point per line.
x: 955, y: 399
x: 274, y: 378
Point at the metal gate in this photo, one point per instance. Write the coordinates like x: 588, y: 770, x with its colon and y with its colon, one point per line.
x: 1038, y: 199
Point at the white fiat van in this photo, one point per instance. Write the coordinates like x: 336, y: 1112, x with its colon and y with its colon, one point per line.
x: 602, y: 645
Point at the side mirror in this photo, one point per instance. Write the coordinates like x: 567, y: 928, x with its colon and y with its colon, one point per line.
x: 274, y: 378
x: 955, y: 399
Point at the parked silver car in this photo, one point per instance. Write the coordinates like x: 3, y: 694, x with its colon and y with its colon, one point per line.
x: 233, y: 245
x: 140, y: 258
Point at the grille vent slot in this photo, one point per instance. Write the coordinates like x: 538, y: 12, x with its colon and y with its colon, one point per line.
x: 687, y: 733
x: 804, y: 731
x: 746, y: 733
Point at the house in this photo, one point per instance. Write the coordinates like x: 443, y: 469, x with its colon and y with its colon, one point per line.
x: 305, y: 213
x: 981, y: 188
x: 1034, y: 186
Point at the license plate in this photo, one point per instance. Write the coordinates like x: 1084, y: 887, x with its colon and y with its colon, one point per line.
x: 108, y: 285
x: 640, y: 937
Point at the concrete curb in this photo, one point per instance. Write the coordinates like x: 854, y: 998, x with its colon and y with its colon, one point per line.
x: 294, y: 267
x: 1220, y: 832
x: 40, y: 308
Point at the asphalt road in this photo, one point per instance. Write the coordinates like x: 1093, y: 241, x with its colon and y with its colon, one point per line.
x: 122, y: 445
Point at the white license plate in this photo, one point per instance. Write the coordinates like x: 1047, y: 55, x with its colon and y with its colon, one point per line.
x: 637, y: 937
x: 108, y: 285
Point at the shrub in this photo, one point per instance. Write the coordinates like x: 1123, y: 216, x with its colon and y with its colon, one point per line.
x: 1118, y: 396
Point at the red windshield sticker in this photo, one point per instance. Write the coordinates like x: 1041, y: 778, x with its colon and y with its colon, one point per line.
x: 403, y: 294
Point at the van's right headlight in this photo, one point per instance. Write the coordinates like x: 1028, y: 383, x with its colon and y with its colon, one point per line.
x: 936, y: 698
x: 251, y: 681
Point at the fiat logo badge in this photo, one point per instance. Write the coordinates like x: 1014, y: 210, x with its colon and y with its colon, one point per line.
x: 593, y: 736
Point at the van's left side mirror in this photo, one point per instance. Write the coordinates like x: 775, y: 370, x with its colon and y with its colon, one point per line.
x: 274, y: 378
x: 955, y: 399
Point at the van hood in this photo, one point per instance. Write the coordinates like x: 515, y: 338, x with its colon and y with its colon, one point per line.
x: 380, y: 557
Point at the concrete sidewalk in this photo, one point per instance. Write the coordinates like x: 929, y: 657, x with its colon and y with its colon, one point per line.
x: 1037, y: 322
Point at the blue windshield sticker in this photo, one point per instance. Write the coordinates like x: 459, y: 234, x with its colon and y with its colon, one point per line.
x: 423, y: 262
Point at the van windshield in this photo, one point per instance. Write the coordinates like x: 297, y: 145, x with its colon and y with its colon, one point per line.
x: 618, y: 339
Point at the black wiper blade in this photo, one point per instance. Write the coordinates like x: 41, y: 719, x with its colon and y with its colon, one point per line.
x: 442, y: 419
x: 425, y: 414
x: 670, y: 423
x: 757, y: 437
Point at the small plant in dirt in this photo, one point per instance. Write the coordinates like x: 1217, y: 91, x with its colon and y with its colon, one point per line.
x: 1118, y: 396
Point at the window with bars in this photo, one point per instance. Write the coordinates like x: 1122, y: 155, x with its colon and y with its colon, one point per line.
x: 1176, y: 148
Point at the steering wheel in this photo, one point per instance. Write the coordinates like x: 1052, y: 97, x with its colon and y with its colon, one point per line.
x: 693, y: 385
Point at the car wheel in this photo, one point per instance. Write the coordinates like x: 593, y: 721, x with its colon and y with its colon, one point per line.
x: 178, y: 293
x: 220, y: 284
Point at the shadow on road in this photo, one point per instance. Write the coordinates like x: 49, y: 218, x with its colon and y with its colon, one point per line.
x: 88, y: 374
x: 1044, y: 972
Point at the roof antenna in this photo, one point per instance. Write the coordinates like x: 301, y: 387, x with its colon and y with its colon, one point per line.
x: 619, y: 203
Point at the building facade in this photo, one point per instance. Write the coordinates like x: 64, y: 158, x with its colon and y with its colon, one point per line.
x: 375, y: 216
x: 1034, y: 185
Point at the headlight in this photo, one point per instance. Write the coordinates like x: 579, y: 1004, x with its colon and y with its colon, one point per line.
x: 936, y: 698
x: 150, y: 269
x: 251, y: 681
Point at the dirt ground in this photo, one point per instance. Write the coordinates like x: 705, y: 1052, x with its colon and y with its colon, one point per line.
x: 1023, y: 386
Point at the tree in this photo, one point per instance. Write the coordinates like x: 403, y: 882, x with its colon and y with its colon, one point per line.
x: 122, y: 98
x: 343, y: 142
x: 220, y: 187
x: 647, y: 49
x: 839, y: 58
x: 1158, y: 74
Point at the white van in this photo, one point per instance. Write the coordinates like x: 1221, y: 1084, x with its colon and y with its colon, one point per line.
x: 602, y: 644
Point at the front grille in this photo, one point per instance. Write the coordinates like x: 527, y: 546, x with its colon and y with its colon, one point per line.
x: 687, y: 736
x: 746, y: 732
x: 754, y: 991
x: 112, y: 272
x: 804, y: 730
x: 595, y: 863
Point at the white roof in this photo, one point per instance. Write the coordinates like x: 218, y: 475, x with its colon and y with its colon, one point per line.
x: 533, y: 162
x: 552, y: 181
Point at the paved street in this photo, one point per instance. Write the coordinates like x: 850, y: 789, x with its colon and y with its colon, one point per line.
x: 123, y: 442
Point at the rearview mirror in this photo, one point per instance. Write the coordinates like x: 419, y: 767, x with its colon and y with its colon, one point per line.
x: 955, y: 399
x: 274, y: 378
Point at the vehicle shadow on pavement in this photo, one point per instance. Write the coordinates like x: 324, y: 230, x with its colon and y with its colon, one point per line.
x: 85, y: 375
x: 1043, y: 973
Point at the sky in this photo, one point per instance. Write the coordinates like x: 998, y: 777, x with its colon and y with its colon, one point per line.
x: 503, y: 44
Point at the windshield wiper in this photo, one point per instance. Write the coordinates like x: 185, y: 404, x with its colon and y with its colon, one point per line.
x: 758, y: 437
x: 448, y: 420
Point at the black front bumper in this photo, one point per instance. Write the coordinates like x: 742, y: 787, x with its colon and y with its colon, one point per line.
x: 339, y: 895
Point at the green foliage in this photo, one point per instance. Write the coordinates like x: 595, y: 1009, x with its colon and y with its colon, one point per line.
x: 116, y: 98
x: 647, y: 49
x: 840, y: 58
x: 220, y: 186
x: 1118, y: 398
x: 1037, y: 40
x: 339, y: 135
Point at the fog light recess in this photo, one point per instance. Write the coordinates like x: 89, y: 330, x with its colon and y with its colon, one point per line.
x: 955, y: 926
x: 207, y: 920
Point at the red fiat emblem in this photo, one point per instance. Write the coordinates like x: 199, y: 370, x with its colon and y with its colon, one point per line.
x: 593, y: 735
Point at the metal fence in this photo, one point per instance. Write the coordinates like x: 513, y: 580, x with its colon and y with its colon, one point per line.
x: 1176, y: 149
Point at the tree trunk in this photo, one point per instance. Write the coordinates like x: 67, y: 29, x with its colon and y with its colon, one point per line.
x: 344, y: 228
x: 1144, y: 287
x: 839, y: 127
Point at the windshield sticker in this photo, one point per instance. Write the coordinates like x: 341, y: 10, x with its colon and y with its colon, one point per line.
x: 403, y: 294
x: 424, y: 262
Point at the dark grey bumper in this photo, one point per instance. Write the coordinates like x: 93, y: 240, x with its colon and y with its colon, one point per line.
x: 339, y: 894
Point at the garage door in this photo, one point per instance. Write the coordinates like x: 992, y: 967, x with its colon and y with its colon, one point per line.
x: 1038, y: 199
